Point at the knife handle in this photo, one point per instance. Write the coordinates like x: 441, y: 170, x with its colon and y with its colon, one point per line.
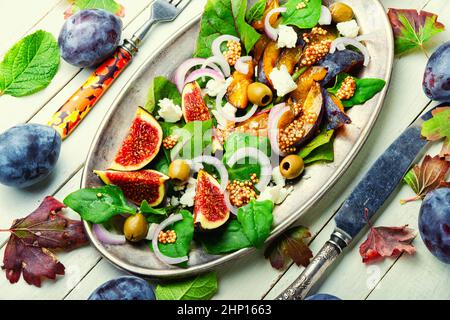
x: 317, y: 267
x: 83, y: 100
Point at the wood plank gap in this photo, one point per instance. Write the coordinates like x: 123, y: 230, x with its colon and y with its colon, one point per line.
x: 384, y: 275
x: 82, y: 278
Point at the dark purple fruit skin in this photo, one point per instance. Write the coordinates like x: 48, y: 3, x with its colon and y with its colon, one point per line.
x: 436, y: 79
x: 335, y: 117
x: 89, y: 37
x: 322, y: 296
x: 434, y: 223
x: 124, y: 288
x: 28, y: 154
x: 340, y: 61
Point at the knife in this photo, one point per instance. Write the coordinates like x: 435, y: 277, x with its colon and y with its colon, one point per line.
x: 362, y: 204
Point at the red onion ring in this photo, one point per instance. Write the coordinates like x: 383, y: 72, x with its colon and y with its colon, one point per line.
x: 341, y: 42
x: 217, y: 164
x: 270, y: 31
x: 151, y: 231
x: 232, y: 208
x: 106, y: 237
x: 219, y: 109
x: 275, y: 115
x: 219, y: 60
x: 264, y: 161
x: 242, y: 64
x: 180, y: 74
x: 325, y: 16
x: 205, y: 72
x: 215, y: 47
x: 163, y: 258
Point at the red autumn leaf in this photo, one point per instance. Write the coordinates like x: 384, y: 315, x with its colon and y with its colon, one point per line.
x: 387, y: 242
x: 430, y: 175
x: 32, y: 238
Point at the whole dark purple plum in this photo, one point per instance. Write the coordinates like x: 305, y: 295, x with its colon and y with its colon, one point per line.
x: 436, y: 80
x: 89, y: 37
x: 434, y: 223
x: 124, y: 288
x: 28, y: 154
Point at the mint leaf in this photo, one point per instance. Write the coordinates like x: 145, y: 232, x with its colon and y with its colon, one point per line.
x: 98, y: 205
x: 224, y: 17
x: 305, y: 18
x: 201, y: 287
x: 161, y: 88
x: 366, y: 89
x: 256, y: 12
x: 412, y: 28
x: 185, y: 233
x: 228, y: 238
x: 108, y: 5
x: 256, y: 219
x: 29, y: 65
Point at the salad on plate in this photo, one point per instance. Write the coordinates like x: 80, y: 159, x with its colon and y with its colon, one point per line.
x: 220, y: 143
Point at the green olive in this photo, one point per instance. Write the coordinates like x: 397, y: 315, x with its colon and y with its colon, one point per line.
x: 340, y: 12
x: 135, y: 227
x: 260, y: 94
x: 179, y: 170
x: 291, y: 166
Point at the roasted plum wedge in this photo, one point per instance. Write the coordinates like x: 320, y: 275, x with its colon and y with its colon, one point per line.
x: 237, y: 90
x: 336, y: 117
x: 268, y: 62
x: 339, y: 62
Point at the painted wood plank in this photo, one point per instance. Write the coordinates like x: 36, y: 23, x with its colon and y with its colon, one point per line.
x: 21, y: 109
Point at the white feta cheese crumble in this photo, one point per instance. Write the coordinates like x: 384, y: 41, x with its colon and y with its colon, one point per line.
x: 187, y: 199
x: 349, y: 29
x: 214, y: 87
x: 287, y: 37
x: 169, y: 111
x: 277, y: 178
x: 174, y: 201
x: 229, y: 110
x: 277, y: 194
x: 282, y: 81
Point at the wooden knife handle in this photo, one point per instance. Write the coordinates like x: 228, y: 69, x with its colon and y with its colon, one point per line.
x: 83, y: 100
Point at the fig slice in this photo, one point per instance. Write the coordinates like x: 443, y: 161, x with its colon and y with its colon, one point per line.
x: 193, y: 106
x: 141, y: 144
x: 137, y: 186
x: 210, y: 208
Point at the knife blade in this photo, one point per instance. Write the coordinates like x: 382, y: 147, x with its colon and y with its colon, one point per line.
x: 367, y: 197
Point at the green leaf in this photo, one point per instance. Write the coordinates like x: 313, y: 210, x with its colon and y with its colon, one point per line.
x: 242, y: 140
x: 256, y: 219
x: 412, y: 28
x: 438, y: 126
x: 98, y: 205
x: 290, y: 245
x: 229, y: 238
x: 224, y: 17
x: 305, y: 18
x: 366, y: 88
x: 322, y: 138
x: 256, y: 12
x: 155, y: 215
x: 201, y: 287
x: 323, y: 153
x: 185, y: 233
x: 30, y: 65
x: 194, y: 137
x: 161, y: 88
x: 108, y: 5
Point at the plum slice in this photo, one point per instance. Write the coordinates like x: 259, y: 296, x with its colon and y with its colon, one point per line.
x: 336, y: 117
x: 340, y: 61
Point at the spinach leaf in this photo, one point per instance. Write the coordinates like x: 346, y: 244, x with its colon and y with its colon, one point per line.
x: 304, y: 18
x: 201, y: 287
x: 229, y: 238
x: 242, y: 140
x: 256, y: 12
x: 224, y: 17
x: 256, y: 219
x: 155, y: 215
x: 161, y: 88
x: 321, y: 139
x: 185, y: 233
x: 323, y: 153
x: 193, y: 138
x: 29, y: 65
x: 98, y: 205
x: 365, y: 89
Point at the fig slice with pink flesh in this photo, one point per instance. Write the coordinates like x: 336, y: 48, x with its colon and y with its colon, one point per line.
x: 192, y: 104
x: 137, y: 186
x: 141, y: 145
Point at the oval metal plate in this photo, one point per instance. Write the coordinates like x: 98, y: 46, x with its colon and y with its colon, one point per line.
x: 138, y: 259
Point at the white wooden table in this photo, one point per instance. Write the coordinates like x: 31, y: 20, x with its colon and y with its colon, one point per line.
x: 408, y: 277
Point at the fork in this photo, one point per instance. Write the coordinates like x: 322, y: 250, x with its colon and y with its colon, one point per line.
x: 73, y: 111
